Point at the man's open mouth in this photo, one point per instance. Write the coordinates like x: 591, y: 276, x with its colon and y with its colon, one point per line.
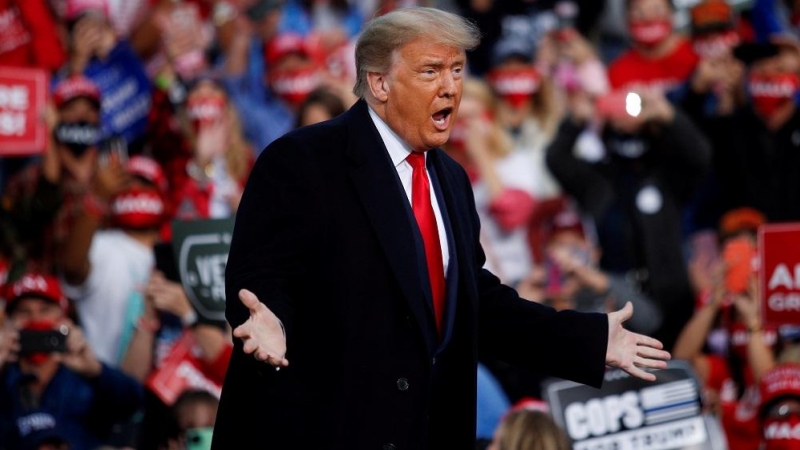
x: 441, y: 118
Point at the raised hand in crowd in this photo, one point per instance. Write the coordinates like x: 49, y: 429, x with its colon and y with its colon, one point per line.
x: 91, y: 37
x: 79, y: 355
x: 723, y: 77
x: 748, y: 307
x: 572, y: 45
x: 51, y: 164
x: 110, y: 178
x: 212, y: 140
x: 168, y: 296
x: 184, y: 39
x: 9, y: 344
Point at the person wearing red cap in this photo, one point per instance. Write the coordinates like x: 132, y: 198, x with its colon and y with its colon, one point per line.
x: 208, y: 182
x: 756, y: 140
x: 50, y: 379
x: 730, y: 349
x: 98, y: 53
x: 659, y: 58
x: 41, y: 202
x: 104, y: 268
x: 780, y: 407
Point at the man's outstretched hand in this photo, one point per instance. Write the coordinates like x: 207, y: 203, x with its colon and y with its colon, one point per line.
x: 262, y: 333
x: 633, y: 352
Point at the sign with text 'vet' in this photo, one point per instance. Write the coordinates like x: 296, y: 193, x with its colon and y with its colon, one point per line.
x: 779, y: 264
x: 629, y: 413
x: 23, y: 94
x: 201, y: 252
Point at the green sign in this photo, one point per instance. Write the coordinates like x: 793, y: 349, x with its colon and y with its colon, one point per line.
x: 201, y: 252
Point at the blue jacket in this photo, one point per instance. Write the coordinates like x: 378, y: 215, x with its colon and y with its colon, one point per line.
x: 82, y: 410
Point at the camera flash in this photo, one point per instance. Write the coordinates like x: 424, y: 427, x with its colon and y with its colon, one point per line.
x: 633, y: 104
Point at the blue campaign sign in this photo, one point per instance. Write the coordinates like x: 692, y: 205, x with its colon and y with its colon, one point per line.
x: 126, y: 92
x: 628, y: 413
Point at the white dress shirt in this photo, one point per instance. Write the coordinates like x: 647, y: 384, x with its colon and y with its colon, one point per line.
x: 398, y: 151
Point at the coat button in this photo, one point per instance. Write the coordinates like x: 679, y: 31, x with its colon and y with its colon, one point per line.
x: 402, y: 384
x: 389, y: 447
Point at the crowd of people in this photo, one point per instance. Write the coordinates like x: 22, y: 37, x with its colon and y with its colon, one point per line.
x: 616, y: 154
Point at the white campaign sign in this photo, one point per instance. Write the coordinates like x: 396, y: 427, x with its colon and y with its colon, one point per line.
x: 628, y: 413
x: 670, y: 435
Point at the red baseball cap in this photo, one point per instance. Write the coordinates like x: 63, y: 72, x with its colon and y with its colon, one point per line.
x: 284, y: 44
x: 782, y: 381
x: 74, y: 87
x: 35, y: 284
x: 149, y: 169
x: 566, y: 219
x: 74, y: 8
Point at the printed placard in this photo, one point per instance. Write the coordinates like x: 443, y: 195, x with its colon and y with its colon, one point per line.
x: 779, y: 263
x: 180, y: 371
x: 629, y: 413
x: 201, y: 251
x: 23, y: 96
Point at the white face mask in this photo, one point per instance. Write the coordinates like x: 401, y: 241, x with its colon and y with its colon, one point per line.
x: 717, y: 341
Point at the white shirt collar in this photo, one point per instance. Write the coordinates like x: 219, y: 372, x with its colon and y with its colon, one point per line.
x: 397, y: 147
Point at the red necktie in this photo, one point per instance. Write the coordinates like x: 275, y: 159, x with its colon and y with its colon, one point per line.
x: 423, y: 211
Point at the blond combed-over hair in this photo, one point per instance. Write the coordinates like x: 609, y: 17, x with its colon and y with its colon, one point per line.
x: 384, y: 35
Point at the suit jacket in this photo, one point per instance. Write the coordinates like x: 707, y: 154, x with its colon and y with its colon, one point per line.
x: 326, y: 238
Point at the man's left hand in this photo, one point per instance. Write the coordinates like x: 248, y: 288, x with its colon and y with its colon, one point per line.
x: 630, y: 351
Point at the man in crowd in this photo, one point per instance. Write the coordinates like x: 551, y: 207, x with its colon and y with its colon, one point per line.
x: 51, y: 387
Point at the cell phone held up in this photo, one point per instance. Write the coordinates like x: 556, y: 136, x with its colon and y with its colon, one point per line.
x: 43, y: 341
x: 619, y: 104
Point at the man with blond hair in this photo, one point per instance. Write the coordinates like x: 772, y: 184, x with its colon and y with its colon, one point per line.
x: 355, y: 283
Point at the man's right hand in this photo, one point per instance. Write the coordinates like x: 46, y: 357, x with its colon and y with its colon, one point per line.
x: 262, y: 333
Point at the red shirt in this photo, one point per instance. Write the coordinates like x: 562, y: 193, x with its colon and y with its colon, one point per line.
x: 632, y: 69
x: 739, y: 415
x: 28, y: 35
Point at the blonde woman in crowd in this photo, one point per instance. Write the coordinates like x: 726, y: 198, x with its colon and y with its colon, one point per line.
x: 503, y: 180
x: 527, y: 429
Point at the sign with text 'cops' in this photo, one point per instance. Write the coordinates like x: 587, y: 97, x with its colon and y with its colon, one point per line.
x: 201, y: 251
x: 779, y: 261
x: 628, y: 413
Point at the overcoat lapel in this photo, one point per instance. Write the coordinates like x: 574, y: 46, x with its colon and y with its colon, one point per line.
x: 381, y: 193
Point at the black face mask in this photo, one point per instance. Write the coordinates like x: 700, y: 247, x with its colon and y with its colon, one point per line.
x: 626, y: 146
x: 78, y: 137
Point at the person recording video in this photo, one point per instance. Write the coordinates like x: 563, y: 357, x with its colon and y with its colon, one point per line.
x: 633, y: 183
x: 52, y: 385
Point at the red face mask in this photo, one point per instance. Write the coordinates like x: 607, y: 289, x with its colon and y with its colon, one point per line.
x: 771, y: 92
x: 782, y: 434
x: 37, y: 358
x: 458, y: 135
x: 650, y: 33
x: 293, y: 86
x: 716, y: 45
x: 138, y: 208
x: 515, y: 86
x: 205, y: 111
